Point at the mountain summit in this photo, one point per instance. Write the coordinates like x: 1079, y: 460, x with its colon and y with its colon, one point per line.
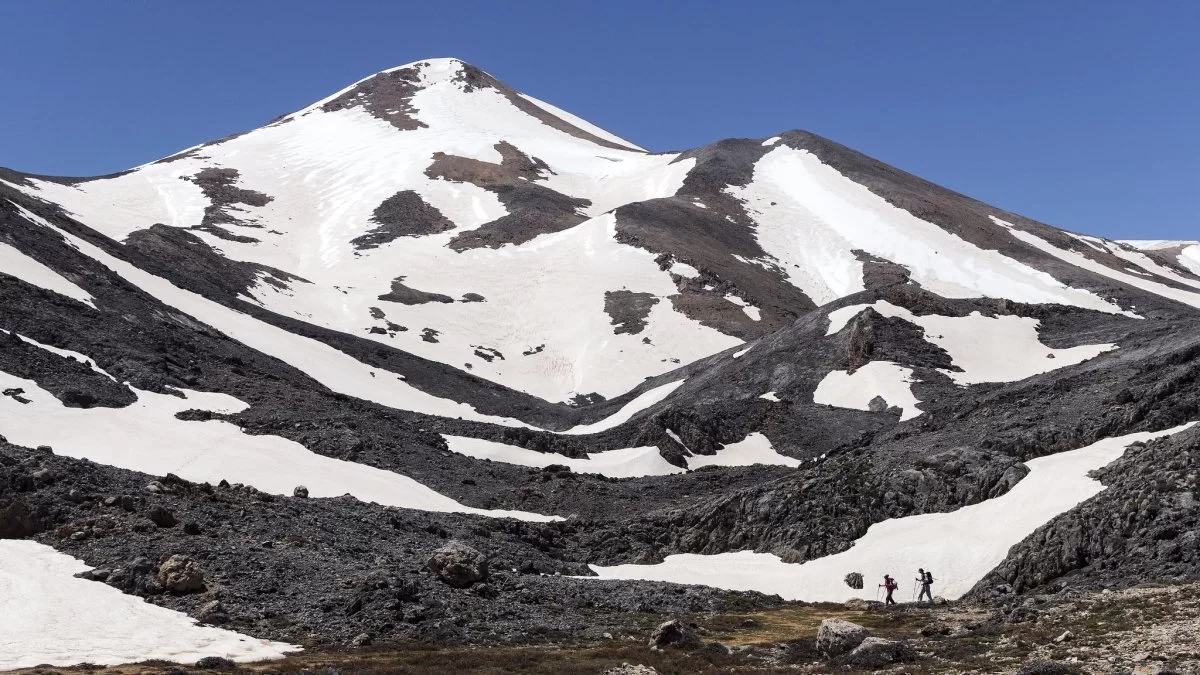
x: 481, y: 316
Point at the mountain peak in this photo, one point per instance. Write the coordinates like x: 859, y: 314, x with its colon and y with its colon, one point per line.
x: 389, y: 95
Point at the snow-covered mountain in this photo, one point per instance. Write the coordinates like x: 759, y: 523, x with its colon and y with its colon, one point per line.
x: 435, y: 293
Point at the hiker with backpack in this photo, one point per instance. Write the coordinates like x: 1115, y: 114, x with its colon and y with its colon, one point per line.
x: 890, y: 585
x: 926, y: 580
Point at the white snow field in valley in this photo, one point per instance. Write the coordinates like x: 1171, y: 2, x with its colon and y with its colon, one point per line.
x: 890, y: 381
x: 47, y: 616
x: 960, y: 547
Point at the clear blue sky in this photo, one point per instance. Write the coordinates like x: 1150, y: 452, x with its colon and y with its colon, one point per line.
x: 1082, y: 114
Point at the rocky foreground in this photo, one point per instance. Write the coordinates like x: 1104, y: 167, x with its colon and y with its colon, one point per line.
x: 1150, y: 630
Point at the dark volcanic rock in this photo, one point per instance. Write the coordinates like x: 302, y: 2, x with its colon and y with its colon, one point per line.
x: 532, y: 209
x: 411, y: 296
x: 16, y: 521
x: 674, y: 632
x: 628, y: 310
x: 876, y: 652
x: 404, y: 214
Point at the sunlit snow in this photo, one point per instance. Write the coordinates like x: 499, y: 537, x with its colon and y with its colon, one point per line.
x: 146, y: 436
x: 49, y: 617
x: 15, y: 263
x: 1003, y: 348
x: 1082, y: 261
x: 811, y: 218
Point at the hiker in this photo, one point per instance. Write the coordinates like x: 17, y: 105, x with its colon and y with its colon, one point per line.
x: 890, y: 585
x: 926, y: 580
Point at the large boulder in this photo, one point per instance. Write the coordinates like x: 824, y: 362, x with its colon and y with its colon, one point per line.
x: 837, y: 636
x: 458, y: 565
x: 673, y: 632
x: 16, y: 521
x: 180, y: 574
x: 162, y: 516
x: 876, y: 652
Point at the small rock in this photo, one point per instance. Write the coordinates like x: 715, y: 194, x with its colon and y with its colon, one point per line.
x: 837, y: 636
x: 934, y: 629
x: 876, y: 652
x: 856, y: 604
x: 854, y: 580
x: 627, y: 669
x: 215, y: 663
x: 300, y: 492
x: 213, y: 612
x: 362, y: 640
x: 749, y: 623
x: 191, y: 528
x: 1153, y: 669
x: 1065, y: 637
x: 1047, y: 668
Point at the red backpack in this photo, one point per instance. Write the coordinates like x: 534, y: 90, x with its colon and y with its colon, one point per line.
x: 889, y: 584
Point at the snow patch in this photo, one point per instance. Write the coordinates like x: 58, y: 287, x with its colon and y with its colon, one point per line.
x: 959, y: 547
x: 810, y: 218
x: 1178, y: 295
x: 856, y: 390
x: 755, y: 448
x: 770, y: 396
x: 987, y: 349
x: 622, y: 463
x: 638, y: 404
x: 47, y: 616
x: 582, y: 124
x: 684, y: 270
x: 16, y: 264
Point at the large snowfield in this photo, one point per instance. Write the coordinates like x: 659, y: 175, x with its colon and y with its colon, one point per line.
x: 146, y: 436
x: 49, y: 617
x: 960, y: 547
